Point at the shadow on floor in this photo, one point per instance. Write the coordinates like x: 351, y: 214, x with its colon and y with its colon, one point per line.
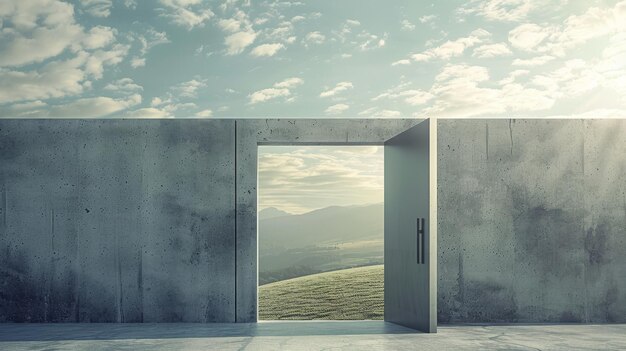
x: 111, y: 331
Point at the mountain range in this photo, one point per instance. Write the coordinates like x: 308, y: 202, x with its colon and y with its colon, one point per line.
x: 330, y: 238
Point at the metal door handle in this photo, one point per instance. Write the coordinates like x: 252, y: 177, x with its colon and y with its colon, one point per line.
x: 420, y: 240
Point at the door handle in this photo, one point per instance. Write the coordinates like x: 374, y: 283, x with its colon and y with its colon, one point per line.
x: 420, y: 240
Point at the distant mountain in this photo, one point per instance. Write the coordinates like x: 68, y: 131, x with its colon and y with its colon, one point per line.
x: 319, y: 241
x: 329, y: 225
x: 272, y: 212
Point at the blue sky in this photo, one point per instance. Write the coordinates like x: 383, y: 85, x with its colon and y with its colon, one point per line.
x: 185, y: 58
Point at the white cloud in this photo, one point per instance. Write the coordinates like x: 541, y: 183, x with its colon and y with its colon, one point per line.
x: 43, y: 29
x: 512, y: 77
x: 131, y: 4
x: 407, y: 25
x: 136, y: 62
x: 231, y: 25
x: 95, y: 63
x: 98, y: 37
x: 297, y: 19
x: 280, y: 89
x: 401, y: 62
x: 492, y: 50
x: 204, y: 113
x: 363, y: 39
x: 283, y: 32
x: 502, y: 10
x: 189, y: 89
x: 593, y: 23
x: 427, y: 18
x: 237, y: 42
x: 535, y: 61
x: 459, y: 92
x: 268, y: 94
x: 371, y: 41
x: 149, y: 112
x: 94, y: 107
x: 375, y: 112
x: 289, y: 83
x: 576, y: 29
x: 413, y: 97
x: 86, y: 107
x: 314, y: 38
x: 147, y: 40
x: 151, y: 38
x: 337, y: 109
x: 241, y: 32
x: 97, y: 8
x: 260, y: 21
x: 124, y: 85
x: 186, y: 13
x: 27, y: 109
x: 612, y: 65
x: 576, y: 77
x: 266, y: 49
x: 55, y: 79
x: 176, y: 100
x: 340, y: 87
x: 453, y: 48
x: 528, y: 36
x: 239, y: 22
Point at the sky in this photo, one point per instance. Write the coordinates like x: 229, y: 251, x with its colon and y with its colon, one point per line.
x: 194, y: 58
x: 299, y: 179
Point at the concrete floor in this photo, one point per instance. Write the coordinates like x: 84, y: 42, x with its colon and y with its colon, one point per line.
x: 368, y: 335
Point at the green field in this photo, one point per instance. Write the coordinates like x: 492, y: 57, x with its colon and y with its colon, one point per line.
x: 347, y: 294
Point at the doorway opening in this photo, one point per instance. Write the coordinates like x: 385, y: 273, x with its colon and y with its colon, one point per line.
x: 320, y: 232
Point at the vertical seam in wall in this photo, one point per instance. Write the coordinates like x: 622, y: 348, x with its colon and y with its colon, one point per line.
x: 236, y: 214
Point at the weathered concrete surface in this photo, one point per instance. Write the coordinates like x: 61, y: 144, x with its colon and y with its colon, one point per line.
x: 254, y: 132
x: 532, y: 221
x: 117, y: 220
x: 134, y: 220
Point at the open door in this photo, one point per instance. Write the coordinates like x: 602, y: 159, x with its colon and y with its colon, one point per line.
x: 411, y: 228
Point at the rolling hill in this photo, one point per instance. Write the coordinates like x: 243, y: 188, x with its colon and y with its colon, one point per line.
x: 347, y: 294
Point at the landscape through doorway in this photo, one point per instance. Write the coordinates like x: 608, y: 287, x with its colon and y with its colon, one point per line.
x: 410, y: 220
x: 321, y: 232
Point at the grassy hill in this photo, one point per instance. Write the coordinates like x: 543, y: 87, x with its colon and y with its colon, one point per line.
x: 347, y: 294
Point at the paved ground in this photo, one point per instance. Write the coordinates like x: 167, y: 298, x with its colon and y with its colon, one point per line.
x: 370, y: 335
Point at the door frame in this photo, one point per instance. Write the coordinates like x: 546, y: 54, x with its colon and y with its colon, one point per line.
x: 249, y: 134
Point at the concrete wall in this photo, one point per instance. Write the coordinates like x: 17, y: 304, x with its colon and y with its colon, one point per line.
x: 134, y: 220
x: 532, y: 221
x: 117, y: 221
